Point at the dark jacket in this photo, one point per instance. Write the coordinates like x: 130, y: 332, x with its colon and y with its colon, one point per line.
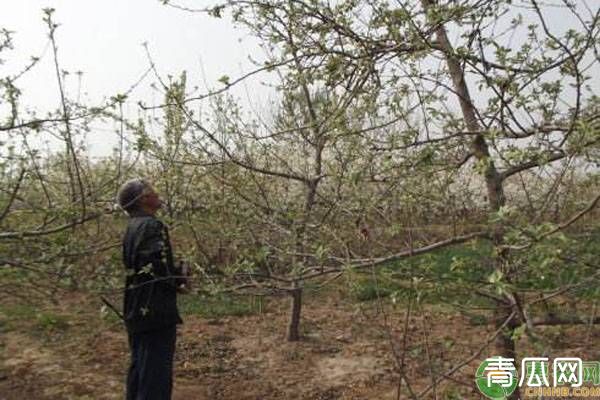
x: 150, y: 300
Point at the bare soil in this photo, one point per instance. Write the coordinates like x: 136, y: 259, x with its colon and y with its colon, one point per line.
x: 346, y: 352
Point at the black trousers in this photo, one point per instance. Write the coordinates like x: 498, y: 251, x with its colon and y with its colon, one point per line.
x: 150, y: 374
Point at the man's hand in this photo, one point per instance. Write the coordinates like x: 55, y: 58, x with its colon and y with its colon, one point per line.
x: 183, y: 281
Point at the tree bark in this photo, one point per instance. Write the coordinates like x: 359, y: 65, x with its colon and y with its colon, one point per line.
x: 294, y: 326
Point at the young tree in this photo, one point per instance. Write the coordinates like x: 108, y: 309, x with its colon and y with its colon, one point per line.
x: 499, y: 87
x: 52, y: 196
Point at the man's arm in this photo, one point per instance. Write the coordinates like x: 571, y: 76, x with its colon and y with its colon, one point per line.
x: 155, y: 250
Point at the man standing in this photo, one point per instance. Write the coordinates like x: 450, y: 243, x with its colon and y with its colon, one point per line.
x: 150, y: 303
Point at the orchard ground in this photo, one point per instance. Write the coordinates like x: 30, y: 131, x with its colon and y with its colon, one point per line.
x: 234, y: 347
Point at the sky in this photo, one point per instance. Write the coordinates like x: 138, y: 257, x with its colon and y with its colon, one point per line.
x: 103, y: 39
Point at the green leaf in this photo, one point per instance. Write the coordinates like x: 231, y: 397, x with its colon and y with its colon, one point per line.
x: 224, y: 80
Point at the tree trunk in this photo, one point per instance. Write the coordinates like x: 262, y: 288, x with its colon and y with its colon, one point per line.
x: 504, y: 343
x: 294, y: 326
